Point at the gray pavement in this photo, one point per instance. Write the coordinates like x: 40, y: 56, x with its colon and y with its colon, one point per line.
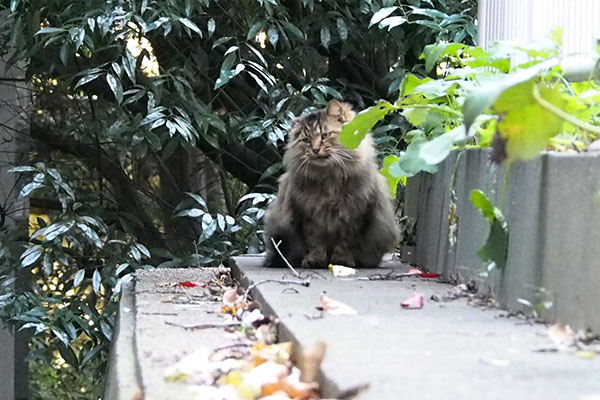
x: 446, y: 350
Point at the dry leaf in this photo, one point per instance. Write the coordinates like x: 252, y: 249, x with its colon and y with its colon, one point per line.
x: 335, y: 307
x: 414, y: 301
x: 562, y: 336
x: 231, y: 297
x: 340, y: 270
x: 585, y: 354
x: 310, y: 361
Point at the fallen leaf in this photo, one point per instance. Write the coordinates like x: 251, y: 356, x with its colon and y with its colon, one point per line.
x: 429, y: 275
x: 340, y: 270
x: 279, y: 352
x: 414, y: 301
x: 231, y: 297
x: 266, y: 333
x: 335, y: 307
x: 249, y: 318
x: 192, y: 284
x: 588, y: 355
x: 292, y: 386
x: 310, y: 361
x: 562, y: 336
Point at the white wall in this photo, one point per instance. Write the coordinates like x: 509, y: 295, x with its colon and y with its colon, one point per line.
x: 529, y: 20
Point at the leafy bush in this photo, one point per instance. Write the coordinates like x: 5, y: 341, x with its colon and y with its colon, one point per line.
x: 156, y: 133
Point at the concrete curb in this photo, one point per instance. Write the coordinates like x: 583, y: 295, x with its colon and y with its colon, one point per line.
x: 122, y: 376
x: 284, y: 333
x: 554, y: 223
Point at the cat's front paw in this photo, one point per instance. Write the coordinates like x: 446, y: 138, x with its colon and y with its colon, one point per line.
x: 342, y: 257
x: 313, y: 262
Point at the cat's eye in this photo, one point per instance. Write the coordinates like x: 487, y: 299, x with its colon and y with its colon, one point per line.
x: 324, y: 135
x: 305, y: 140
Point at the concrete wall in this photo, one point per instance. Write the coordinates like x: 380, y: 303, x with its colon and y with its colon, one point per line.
x: 553, y: 213
x: 14, y: 100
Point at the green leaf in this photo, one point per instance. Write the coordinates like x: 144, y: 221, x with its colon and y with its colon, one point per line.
x: 47, y: 31
x: 227, y: 75
x: 381, y: 14
x: 481, y: 99
x: 255, y: 29
x: 434, y: 52
x: 78, y: 277
x: 273, y: 35
x: 410, y: 162
x: 355, y: 131
x: 192, y: 212
x: 96, y: 278
x: 293, y: 29
x: 198, y: 199
x: 525, y: 124
x: 115, y: 87
x: 485, y: 206
x: 106, y: 329
x: 86, y: 79
x: 325, y: 37
x: 495, y: 248
x: 191, y: 25
x: 392, y: 181
x: 391, y: 22
x: 64, y: 53
x: 212, y: 25
x: 409, y: 83
x: 31, y: 255
x: 22, y: 168
x: 437, y: 149
x: 221, y: 41
x: 342, y: 29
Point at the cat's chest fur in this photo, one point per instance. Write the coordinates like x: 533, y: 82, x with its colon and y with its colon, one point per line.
x: 330, y: 200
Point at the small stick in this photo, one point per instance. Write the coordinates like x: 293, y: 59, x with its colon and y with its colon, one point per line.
x: 276, y: 245
x: 305, y: 283
x: 231, y: 346
x: 205, y: 326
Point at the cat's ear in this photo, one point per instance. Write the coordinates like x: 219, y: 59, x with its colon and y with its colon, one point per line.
x: 294, y: 128
x: 335, y: 109
x: 340, y: 111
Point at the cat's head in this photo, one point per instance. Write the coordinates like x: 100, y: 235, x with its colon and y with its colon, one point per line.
x: 314, y: 140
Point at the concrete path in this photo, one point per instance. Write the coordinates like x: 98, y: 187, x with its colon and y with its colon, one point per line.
x: 446, y: 350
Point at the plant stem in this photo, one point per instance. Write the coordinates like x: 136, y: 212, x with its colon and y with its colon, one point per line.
x: 430, y: 107
x: 562, y: 114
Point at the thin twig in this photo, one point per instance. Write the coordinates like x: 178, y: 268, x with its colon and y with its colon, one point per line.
x: 276, y: 245
x: 305, y: 283
x: 231, y: 346
x: 205, y: 326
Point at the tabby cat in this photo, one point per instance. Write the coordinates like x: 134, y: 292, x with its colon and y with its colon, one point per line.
x: 333, y: 204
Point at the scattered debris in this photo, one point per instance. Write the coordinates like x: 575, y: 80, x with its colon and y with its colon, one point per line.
x: 252, y: 366
x: 192, y: 284
x: 340, y: 270
x: 495, y: 362
x: 414, y: 301
x: 335, y: 307
x: 563, y: 336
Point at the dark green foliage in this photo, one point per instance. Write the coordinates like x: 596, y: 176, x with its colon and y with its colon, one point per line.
x: 175, y: 167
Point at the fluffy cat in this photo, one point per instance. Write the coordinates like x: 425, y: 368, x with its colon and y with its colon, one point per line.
x: 333, y: 204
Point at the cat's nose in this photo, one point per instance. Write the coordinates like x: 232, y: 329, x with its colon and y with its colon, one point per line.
x: 316, y: 150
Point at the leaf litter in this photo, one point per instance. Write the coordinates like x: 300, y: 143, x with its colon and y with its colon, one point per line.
x: 254, y: 365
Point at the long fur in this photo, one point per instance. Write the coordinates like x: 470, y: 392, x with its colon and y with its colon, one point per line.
x: 333, y: 204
